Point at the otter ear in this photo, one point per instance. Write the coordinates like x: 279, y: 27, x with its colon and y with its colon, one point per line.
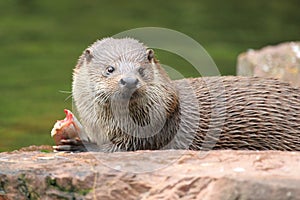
x: 88, y: 54
x: 150, y: 54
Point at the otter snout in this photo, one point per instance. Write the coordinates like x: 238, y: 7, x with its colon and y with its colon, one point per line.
x: 129, y: 82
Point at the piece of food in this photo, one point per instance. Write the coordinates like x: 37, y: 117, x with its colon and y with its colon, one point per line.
x: 68, y: 128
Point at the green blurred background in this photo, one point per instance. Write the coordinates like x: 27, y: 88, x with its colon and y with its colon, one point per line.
x: 42, y: 39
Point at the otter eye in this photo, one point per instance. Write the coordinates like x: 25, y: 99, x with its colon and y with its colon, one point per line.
x: 109, y: 70
x: 141, y: 71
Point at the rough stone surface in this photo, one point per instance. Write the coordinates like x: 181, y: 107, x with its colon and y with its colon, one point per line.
x: 281, y: 61
x: 213, y: 175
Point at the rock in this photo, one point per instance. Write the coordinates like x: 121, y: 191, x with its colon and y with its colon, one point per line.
x: 172, y: 174
x: 42, y: 148
x: 281, y: 61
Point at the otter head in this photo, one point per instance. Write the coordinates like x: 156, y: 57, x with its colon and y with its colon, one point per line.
x: 120, y: 88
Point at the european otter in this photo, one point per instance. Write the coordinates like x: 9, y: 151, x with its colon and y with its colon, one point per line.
x: 126, y: 102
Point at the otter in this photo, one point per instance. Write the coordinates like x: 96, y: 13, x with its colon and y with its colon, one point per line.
x: 126, y: 101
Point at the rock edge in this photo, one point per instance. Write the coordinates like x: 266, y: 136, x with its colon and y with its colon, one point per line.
x: 169, y: 174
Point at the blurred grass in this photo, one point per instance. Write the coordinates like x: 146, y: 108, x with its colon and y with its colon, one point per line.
x: 41, y: 41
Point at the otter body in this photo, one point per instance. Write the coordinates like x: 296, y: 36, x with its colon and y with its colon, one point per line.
x: 126, y: 101
x: 259, y: 114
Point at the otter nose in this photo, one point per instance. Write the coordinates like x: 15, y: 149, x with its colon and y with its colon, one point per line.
x: 129, y: 82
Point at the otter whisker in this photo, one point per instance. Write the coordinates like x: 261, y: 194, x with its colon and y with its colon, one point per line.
x: 66, y: 92
x: 68, y: 97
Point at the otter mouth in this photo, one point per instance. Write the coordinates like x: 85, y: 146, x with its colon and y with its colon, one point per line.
x: 127, y: 93
x: 129, y: 96
x: 120, y: 98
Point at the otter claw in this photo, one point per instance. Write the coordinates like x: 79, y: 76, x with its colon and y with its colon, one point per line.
x: 70, y: 145
x: 74, y: 142
x: 68, y: 148
x: 62, y: 148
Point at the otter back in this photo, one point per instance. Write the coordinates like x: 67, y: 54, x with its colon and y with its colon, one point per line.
x: 255, y: 113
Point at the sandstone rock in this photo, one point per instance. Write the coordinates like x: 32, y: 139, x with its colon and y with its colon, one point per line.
x: 281, y: 61
x: 42, y: 148
x: 169, y: 174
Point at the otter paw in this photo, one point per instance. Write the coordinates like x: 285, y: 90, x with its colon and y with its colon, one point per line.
x: 70, y: 145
